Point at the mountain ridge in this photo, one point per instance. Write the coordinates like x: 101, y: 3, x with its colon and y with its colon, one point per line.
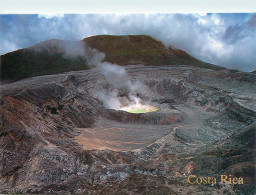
x: 57, y: 56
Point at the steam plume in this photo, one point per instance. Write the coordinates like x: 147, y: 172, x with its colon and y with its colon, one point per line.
x: 118, y: 78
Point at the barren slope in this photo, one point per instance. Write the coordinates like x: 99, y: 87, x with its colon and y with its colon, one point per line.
x: 57, y: 137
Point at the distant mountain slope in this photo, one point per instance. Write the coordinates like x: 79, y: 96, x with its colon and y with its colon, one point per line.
x: 57, y: 56
x: 44, y: 58
x: 141, y: 49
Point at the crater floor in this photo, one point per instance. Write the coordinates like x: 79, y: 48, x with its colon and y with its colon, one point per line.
x: 57, y: 136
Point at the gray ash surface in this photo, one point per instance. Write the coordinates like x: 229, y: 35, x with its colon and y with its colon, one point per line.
x: 56, y: 136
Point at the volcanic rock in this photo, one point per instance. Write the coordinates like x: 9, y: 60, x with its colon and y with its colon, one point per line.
x: 56, y: 136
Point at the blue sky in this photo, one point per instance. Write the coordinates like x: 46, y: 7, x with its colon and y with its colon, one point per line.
x: 224, y: 39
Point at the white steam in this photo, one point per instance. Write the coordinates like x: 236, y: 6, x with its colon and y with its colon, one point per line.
x: 93, y: 56
x: 115, y: 75
x: 110, y: 100
x: 67, y: 48
x: 73, y: 48
x: 118, y: 79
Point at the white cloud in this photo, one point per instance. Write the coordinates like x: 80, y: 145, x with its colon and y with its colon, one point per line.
x: 215, y: 38
x: 50, y: 15
x: 7, y: 46
x: 216, y: 19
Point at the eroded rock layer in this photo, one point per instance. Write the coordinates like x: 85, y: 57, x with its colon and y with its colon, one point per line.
x: 56, y: 136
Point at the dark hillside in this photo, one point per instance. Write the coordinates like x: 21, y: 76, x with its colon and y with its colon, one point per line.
x: 58, y: 56
x: 141, y: 49
x: 42, y: 59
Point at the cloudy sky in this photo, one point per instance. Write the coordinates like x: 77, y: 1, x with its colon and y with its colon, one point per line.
x: 225, y: 39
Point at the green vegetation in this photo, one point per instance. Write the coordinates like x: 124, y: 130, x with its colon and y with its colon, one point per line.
x: 142, y: 49
x: 50, y: 58
x: 28, y: 63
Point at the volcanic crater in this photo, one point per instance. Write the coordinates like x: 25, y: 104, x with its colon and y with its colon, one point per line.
x: 59, y: 135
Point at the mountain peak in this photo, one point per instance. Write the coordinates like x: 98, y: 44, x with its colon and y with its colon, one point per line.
x: 138, y: 49
x: 56, y: 56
